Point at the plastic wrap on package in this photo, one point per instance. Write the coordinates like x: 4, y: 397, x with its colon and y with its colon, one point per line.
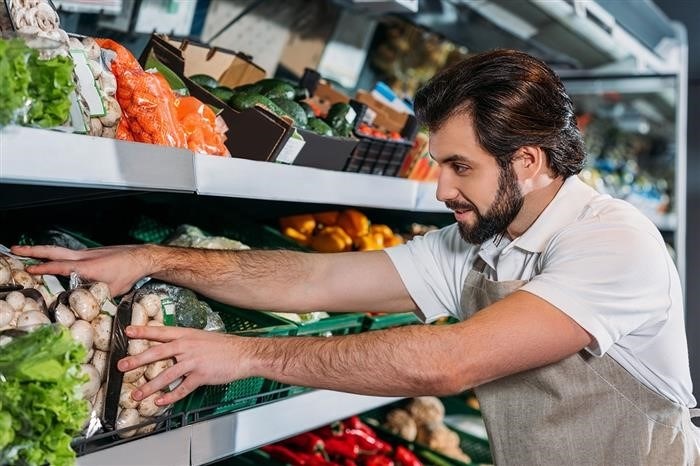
x: 189, y: 311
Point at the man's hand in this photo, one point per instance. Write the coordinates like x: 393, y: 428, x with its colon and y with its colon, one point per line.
x: 202, y: 358
x: 118, y: 266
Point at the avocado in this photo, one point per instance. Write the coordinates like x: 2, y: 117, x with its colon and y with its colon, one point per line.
x: 294, y: 110
x: 277, y: 90
x: 222, y: 92
x: 242, y: 101
x: 341, y: 118
x: 307, y: 109
x: 205, y: 81
x: 248, y: 89
x: 319, y: 126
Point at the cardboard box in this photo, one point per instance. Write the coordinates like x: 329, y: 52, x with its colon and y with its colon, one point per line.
x: 387, y: 117
x: 254, y: 134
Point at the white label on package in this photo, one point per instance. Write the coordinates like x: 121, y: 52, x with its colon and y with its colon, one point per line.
x: 52, y: 284
x: 86, y: 82
x: 291, y: 149
x: 350, y: 116
x: 109, y: 308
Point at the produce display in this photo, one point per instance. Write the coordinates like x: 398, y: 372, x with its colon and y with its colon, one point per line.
x: 338, y: 231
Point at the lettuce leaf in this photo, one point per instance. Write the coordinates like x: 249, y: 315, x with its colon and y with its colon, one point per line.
x: 41, y: 408
x: 14, y: 80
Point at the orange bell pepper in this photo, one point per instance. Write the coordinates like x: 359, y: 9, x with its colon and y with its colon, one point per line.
x: 383, y: 230
x: 327, y: 218
x: 367, y: 243
x: 395, y: 240
x: 354, y: 222
x: 335, y: 230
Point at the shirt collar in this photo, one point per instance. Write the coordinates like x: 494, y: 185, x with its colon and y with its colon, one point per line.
x: 568, y: 204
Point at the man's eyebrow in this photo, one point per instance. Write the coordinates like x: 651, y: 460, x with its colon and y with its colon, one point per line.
x: 451, y: 158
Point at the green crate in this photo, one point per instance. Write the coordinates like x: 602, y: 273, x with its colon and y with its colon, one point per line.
x: 214, y: 400
x: 382, y: 321
x: 148, y: 230
x: 30, y: 241
x: 344, y: 323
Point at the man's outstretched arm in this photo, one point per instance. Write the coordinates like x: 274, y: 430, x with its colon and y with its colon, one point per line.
x: 271, y: 280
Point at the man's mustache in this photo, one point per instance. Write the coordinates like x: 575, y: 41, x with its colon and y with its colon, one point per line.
x: 455, y: 205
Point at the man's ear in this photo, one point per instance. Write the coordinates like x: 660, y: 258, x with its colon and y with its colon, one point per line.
x: 529, y: 161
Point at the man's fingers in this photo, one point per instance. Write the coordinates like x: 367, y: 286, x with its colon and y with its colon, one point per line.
x: 65, y: 267
x: 162, y: 381
x: 46, y: 252
x: 152, y: 354
x: 162, y: 334
x: 188, y: 385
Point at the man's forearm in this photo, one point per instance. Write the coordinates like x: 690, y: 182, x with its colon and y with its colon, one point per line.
x: 407, y: 361
x: 271, y: 280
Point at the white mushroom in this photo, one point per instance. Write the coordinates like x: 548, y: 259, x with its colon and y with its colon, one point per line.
x: 138, y: 314
x: 134, y: 374
x: 100, y: 360
x: 20, y: 277
x: 15, y: 264
x: 127, y: 418
x: 89, y: 355
x: 100, y: 291
x: 30, y: 320
x: 82, y: 332
x: 125, y: 400
x: 16, y: 300
x: 93, y: 49
x: 30, y: 305
x: 147, y: 429
x: 95, y: 127
x: 113, y: 112
x: 137, y: 346
x: 141, y: 381
x: 151, y: 303
x: 96, y: 68
x: 108, y: 83
x: 109, y: 132
x: 7, y: 313
x: 75, y: 44
x: 90, y: 387
x: 84, y: 304
x: 64, y: 316
x: 158, y: 317
x: 148, y: 406
x: 102, y: 326
x: 5, y: 271
x: 155, y: 368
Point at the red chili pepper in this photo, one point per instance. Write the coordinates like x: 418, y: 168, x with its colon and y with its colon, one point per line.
x: 349, y: 462
x: 307, y: 442
x: 334, y: 430
x: 405, y: 457
x: 379, y: 460
x: 368, y: 444
x: 355, y: 422
x: 315, y: 459
x: 344, y: 446
x: 285, y: 455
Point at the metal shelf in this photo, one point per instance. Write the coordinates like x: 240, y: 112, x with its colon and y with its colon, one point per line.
x: 40, y: 157
x: 238, y: 432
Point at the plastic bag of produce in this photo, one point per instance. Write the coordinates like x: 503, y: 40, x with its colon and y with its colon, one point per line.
x: 147, y: 103
x: 97, y: 86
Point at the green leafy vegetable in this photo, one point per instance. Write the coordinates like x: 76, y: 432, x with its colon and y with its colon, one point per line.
x: 33, y: 91
x: 14, y: 80
x: 40, y: 397
x: 49, y: 89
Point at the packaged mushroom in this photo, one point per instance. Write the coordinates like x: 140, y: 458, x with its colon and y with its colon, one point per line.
x: 88, y: 312
x: 121, y: 412
x: 97, y: 86
x: 13, y: 276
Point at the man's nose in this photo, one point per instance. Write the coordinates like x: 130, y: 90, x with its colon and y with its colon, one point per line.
x: 446, y: 186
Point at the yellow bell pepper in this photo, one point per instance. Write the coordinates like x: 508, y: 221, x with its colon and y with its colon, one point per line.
x: 297, y: 236
x: 305, y: 223
x: 367, y: 243
x: 384, y: 230
x: 395, y: 240
x: 328, y: 242
x: 335, y: 230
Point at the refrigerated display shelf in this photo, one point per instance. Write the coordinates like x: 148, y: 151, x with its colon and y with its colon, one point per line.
x: 234, y: 433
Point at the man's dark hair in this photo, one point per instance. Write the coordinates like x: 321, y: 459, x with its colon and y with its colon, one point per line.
x: 513, y: 100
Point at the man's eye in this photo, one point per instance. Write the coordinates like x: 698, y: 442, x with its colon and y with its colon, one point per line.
x: 460, y: 169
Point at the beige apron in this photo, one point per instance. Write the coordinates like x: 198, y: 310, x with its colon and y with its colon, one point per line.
x: 582, y: 410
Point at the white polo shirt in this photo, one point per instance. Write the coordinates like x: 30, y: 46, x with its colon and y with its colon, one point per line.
x: 596, y: 258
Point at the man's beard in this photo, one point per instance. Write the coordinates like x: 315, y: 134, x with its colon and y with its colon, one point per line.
x: 502, y: 212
